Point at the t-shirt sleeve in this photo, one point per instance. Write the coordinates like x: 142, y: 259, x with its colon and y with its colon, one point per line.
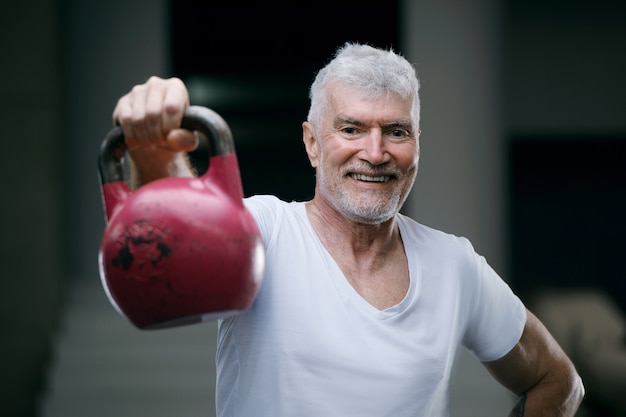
x: 497, y: 316
x: 265, y: 209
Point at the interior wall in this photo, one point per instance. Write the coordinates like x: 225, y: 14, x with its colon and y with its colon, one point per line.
x: 566, y: 100
x: 31, y: 250
x: 109, y: 47
x: 64, y: 63
x: 565, y: 67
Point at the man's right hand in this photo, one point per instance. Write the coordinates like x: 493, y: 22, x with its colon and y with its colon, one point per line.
x: 150, y: 116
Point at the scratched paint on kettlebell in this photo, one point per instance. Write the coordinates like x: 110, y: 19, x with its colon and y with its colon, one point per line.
x: 141, y: 246
x: 197, y: 247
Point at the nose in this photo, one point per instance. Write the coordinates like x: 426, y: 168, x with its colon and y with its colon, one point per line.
x: 374, y: 150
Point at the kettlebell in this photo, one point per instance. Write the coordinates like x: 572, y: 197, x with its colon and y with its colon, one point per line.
x: 179, y: 251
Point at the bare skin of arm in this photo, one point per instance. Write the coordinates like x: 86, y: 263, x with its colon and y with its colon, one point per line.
x: 538, y: 368
x: 150, y: 116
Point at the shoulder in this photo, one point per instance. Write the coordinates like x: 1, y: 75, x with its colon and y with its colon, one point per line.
x: 426, y: 239
x: 447, y: 255
x: 269, y: 211
x: 261, y: 203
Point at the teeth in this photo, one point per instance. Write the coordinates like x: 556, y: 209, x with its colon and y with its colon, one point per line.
x: 361, y: 177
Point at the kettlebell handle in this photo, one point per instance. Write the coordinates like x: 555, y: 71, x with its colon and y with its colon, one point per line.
x: 198, y: 118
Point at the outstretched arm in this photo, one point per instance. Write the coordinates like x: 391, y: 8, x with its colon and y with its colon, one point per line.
x: 540, y: 372
x: 150, y: 116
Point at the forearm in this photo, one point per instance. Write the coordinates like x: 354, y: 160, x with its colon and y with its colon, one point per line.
x: 538, y: 368
x: 557, y: 396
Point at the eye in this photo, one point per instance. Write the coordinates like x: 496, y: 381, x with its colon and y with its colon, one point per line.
x: 349, y: 130
x: 399, y: 134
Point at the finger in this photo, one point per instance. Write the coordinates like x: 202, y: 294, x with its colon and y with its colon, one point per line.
x: 135, y: 127
x: 175, y: 102
x: 153, y: 115
x: 150, y: 111
x: 182, y: 140
x: 123, y: 117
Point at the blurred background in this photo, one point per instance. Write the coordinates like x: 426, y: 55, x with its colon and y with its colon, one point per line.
x: 523, y: 149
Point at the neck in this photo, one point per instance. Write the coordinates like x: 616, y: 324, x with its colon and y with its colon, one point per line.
x: 351, y: 238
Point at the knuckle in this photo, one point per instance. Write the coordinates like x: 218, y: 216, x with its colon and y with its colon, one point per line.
x: 124, y: 119
x: 175, y: 80
x: 172, y: 108
x: 154, y: 80
x: 137, y: 89
x: 152, y: 114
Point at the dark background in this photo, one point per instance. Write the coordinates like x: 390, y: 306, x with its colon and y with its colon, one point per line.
x: 567, y: 205
x: 263, y: 56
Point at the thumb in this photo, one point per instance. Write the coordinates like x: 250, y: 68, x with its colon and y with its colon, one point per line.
x: 182, y: 140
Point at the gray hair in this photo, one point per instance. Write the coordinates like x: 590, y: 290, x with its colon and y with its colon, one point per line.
x: 372, y: 71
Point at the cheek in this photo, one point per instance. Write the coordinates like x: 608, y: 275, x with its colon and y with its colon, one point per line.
x: 333, y: 157
x: 408, y: 160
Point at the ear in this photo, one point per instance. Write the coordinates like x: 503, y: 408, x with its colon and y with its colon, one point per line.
x: 310, y: 143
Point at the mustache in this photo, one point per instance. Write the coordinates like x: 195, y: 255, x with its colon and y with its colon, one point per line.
x: 366, y: 168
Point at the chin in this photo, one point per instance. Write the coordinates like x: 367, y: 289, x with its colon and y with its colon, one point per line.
x: 370, y: 215
x: 365, y: 208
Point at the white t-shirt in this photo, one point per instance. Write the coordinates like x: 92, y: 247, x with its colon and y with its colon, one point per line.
x: 312, y: 346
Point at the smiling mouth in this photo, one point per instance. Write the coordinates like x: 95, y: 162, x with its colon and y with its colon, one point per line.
x: 367, y: 178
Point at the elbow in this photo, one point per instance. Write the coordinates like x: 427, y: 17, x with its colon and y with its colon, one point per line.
x: 578, y: 389
x: 575, y: 392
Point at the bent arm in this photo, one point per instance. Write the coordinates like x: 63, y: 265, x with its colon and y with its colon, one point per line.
x: 538, y: 368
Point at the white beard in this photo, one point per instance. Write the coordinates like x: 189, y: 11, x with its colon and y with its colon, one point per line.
x: 368, y: 206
